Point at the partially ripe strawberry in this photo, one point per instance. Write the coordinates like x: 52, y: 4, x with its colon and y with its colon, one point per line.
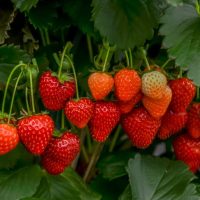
x: 100, y: 84
x: 8, y: 138
x: 183, y: 92
x: 35, y: 132
x: 127, y: 84
x: 54, y: 94
x: 105, y: 117
x: 193, y: 123
x: 141, y: 127
x: 60, y: 153
x: 158, y: 107
x: 187, y: 149
x: 172, y: 123
x: 79, y: 112
x: 154, y: 84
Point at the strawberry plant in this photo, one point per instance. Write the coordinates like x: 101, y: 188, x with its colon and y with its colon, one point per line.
x: 99, y: 100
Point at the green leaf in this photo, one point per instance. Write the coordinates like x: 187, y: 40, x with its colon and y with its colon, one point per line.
x: 175, y: 2
x: 126, y: 195
x: 124, y: 23
x: 21, y: 183
x: 32, y: 198
x: 160, y: 178
x: 24, y: 5
x: 181, y: 28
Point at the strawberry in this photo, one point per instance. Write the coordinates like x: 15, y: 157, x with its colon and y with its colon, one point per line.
x: 158, y: 107
x: 60, y: 152
x: 141, y: 127
x: 79, y: 112
x: 172, y: 123
x: 187, y: 149
x: 8, y: 138
x: 154, y: 84
x: 35, y: 132
x: 127, y: 84
x: 183, y: 91
x: 100, y: 84
x: 105, y: 117
x: 193, y: 123
x: 127, y: 106
x: 54, y: 94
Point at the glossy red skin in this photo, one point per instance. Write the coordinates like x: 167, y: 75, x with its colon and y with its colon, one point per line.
x: 35, y: 132
x: 105, y: 117
x: 8, y: 138
x: 141, y: 127
x: 79, y: 112
x: 193, y: 123
x: 183, y: 92
x: 172, y: 123
x: 187, y: 150
x: 60, y: 153
x: 53, y: 93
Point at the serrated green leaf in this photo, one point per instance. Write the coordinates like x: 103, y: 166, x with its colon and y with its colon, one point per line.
x: 181, y: 28
x: 25, y: 5
x: 159, y: 178
x: 21, y: 183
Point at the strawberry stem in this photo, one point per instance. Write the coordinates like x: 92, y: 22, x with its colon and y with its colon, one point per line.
x: 115, y: 137
x: 127, y: 58
x: 89, y: 44
x: 84, y: 152
x: 46, y: 33
x: 106, y: 59
x: 13, y: 96
x: 63, y: 120
x: 31, y: 87
x: 27, y: 103
x: 197, y: 93
x: 144, y: 54
x: 130, y: 58
x: 166, y: 63
x: 42, y: 37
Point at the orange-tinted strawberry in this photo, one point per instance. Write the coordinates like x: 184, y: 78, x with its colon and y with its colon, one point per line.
x: 183, y: 91
x: 193, y: 123
x: 158, y: 107
x: 187, y: 149
x: 141, y: 127
x: 154, y: 84
x: 100, y: 84
x: 127, y: 84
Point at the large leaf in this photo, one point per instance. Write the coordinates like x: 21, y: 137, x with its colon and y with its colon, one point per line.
x: 181, y: 28
x: 160, y: 178
x: 126, y: 195
x: 124, y: 23
x: 25, y: 5
x: 21, y: 183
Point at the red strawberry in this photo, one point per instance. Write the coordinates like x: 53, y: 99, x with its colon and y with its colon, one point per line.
x: 187, y: 149
x: 100, y: 84
x: 54, y: 94
x: 105, y: 117
x: 79, y: 112
x: 60, y: 152
x: 172, y: 123
x: 183, y: 91
x: 141, y: 127
x: 127, y: 84
x: 193, y: 123
x: 8, y: 138
x: 127, y: 106
x: 35, y: 132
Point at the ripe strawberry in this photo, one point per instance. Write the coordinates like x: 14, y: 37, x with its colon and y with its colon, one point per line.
x: 8, y: 138
x: 127, y: 106
x: 105, y: 117
x: 60, y: 152
x: 79, y: 112
x: 158, y: 107
x: 35, y: 132
x: 141, y: 127
x: 154, y: 84
x: 187, y: 149
x: 193, y: 123
x: 183, y: 91
x: 54, y: 94
x: 172, y: 123
x: 100, y: 84
x: 127, y: 84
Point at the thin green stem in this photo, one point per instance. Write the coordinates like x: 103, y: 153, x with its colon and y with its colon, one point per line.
x: 166, y: 63
x: 180, y: 73
x: 197, y: 7
x: 27, y: 103
x: 32, y: 94
x: 89, y: 44
x: 13, y: 96
x: 55, y: 56
x: 130, y: 57
x: 99, y: 56
x: 84, y: 152
x: 89, y: 142
x: 46, y: 33
x: 7, y: 84
x: 105, y: 62
x: 114, y: 140
x: 145, y: 58
x: 63, y: 120
x: 127, y: 58
x: 42, y: 37
x: 197, y: 93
